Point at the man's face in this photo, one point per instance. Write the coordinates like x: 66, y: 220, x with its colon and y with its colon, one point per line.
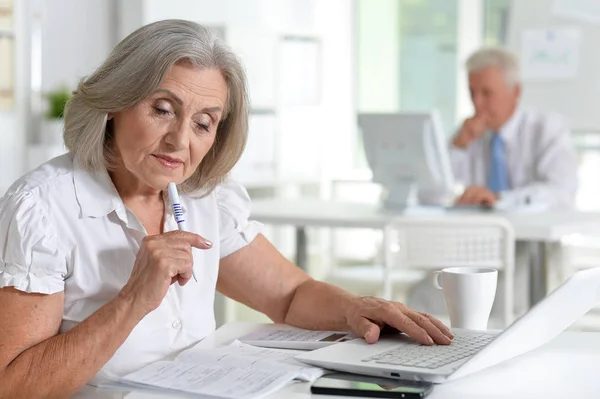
x: 492, y: 97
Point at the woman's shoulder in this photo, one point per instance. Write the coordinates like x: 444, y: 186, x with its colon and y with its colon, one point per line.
x: 230, y: 187
x: 236, y: 230
x: 232, y: 197
x: 229, y: 197
x: 49, y: 178
x: 30, y: 240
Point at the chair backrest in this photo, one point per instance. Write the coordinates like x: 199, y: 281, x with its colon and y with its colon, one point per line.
x: 451, y: 241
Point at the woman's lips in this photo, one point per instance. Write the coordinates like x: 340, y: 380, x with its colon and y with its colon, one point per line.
x: 168, y: 162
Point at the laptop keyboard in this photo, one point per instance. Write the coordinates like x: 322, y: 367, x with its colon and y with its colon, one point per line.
x: 464, y: 345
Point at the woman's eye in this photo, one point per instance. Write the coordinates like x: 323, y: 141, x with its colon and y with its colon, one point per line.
x: 160, y: 111
x: 203, y: 126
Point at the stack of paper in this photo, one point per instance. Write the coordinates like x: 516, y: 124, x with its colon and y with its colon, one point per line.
x: 234, y: 371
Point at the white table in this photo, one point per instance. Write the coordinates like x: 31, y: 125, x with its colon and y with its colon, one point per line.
x: 538, y: 229
x: 564, y: 368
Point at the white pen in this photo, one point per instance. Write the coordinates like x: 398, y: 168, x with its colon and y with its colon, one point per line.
x: 178, y: 212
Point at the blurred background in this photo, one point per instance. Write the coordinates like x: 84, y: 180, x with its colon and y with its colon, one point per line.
x: 313, y: 67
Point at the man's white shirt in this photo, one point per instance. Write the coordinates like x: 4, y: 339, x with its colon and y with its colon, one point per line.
x: 541, y: 161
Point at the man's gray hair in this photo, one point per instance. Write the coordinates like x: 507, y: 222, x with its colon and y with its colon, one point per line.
x: 133, y: 71
x: 497, y: 57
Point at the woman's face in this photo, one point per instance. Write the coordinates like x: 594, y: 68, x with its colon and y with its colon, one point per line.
x: 164, y: 138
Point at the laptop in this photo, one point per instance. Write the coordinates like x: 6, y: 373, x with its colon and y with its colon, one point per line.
x: 471, y: 351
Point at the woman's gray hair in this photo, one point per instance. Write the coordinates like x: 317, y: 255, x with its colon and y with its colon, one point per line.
x: 133, y: 71
x: 497, y: 57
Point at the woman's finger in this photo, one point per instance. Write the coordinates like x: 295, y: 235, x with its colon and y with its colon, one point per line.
x: 366, y: 329
x: 172, y: 253
x: 176, y: 265
x: 182, y: 269
x: 435, y: 333
x: 443, y: 328
x: 191, y: 239
x: 394, y: 316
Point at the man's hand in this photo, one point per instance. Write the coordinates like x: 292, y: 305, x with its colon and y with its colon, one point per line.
x: 477, y: 195
x: 472, y: 129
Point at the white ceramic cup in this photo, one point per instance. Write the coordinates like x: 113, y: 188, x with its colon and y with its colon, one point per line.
x: 469, y: 295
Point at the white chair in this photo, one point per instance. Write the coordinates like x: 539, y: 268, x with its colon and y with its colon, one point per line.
x: 412, y: 248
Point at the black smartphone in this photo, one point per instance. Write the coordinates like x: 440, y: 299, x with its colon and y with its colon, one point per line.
x: 358, y: 385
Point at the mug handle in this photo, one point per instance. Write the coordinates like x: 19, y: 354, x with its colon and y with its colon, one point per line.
x: 435, y: 279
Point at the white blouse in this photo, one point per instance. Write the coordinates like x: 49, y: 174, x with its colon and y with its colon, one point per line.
x: 65, y: 229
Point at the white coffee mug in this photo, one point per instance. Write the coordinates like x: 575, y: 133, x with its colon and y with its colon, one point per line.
x: 469, y: 295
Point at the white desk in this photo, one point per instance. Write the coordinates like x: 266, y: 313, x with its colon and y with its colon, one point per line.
x: 565, y: 368
x: 537, y: 229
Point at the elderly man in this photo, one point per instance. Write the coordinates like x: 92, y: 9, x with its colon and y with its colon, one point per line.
x: 506, y: 155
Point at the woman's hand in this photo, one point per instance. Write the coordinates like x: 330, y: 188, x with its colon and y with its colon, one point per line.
x: 366, y: 316
x: 162, y: 260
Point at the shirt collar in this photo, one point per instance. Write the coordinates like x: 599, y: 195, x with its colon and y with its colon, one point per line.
x: 95, y: 192
x: 510, y: 129
x: 97, y: 195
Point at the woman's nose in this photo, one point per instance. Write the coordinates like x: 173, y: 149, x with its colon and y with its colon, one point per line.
x: 178, y: 136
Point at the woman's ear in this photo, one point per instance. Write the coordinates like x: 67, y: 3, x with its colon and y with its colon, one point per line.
x: 110, y: 116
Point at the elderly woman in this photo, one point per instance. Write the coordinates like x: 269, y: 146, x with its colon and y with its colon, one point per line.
x: 96, y: 277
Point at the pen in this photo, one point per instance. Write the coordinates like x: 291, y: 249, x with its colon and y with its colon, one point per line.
x: 178, y: 212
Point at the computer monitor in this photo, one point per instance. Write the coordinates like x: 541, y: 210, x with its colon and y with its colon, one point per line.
x: 408, y: 153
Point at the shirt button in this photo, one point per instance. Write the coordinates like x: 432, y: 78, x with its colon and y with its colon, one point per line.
x: 176, y: 324
x: 11, y: 270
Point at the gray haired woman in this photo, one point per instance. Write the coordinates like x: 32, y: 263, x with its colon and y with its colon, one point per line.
x: 95, y: 275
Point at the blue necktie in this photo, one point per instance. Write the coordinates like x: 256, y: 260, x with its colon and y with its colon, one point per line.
x: 498, y: 178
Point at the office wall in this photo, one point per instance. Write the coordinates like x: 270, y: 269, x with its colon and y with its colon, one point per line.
x: 11, y: 144
x: 411, y: 55
x: 378, y: 57
x: 577, y: 98
x: 335, y: 20
x: 76, y: 37
x: 12, y: 123
x: 469, y: 39
x: 314, y: 140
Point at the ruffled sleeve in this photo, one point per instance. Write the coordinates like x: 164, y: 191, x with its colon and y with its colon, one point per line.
x: 30, y: 259
x: 236, y: 230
